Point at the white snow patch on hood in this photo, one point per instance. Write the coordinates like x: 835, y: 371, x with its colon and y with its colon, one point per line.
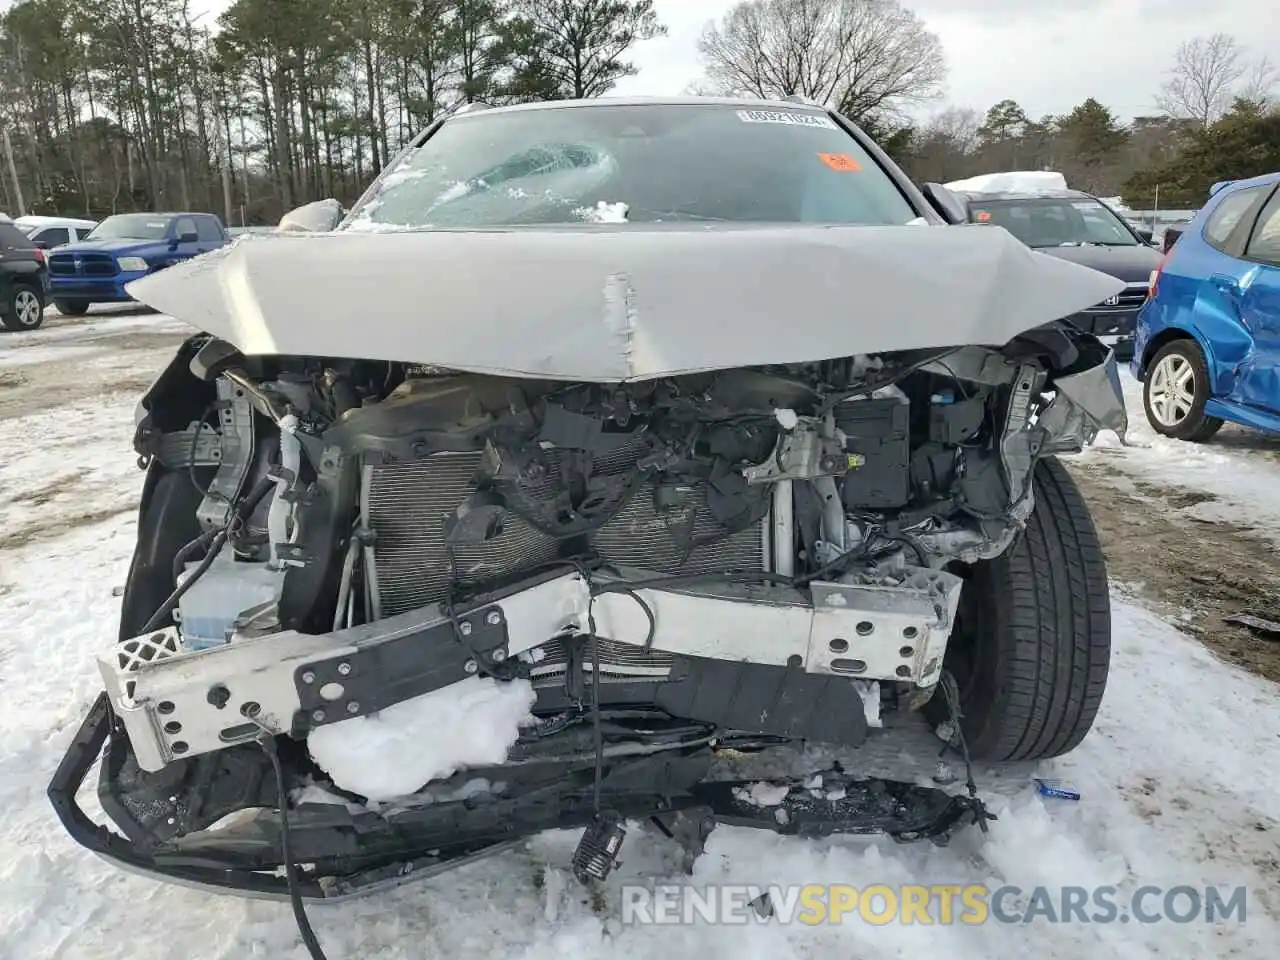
x: 603, y: 212
x: 394, y: 752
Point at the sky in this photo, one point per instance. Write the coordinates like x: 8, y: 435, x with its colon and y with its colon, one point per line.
x: 1049, y: 55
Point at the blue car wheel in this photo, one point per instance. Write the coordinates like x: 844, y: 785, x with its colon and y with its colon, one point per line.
x: 1175, y: 393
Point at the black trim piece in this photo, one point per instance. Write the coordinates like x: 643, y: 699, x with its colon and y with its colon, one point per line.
x: 380, y: 675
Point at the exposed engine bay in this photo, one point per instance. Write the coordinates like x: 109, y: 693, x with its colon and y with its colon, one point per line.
x: 717, y: 557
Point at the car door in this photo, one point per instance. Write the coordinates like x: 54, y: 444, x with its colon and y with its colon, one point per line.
x: 210, y: 233
x: 1259, y: 305
x: 1210, y: 275
x: 187, y: 240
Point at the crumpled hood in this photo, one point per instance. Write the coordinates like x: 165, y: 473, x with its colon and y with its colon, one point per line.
x: 629, y: 302
x: 118, y: 247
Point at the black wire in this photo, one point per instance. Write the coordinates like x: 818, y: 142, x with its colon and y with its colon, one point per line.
x: 240, y: 511
x: 951, y: 692
x: 964, y: 392
x: 268, y: 743
x: 191, y: 549
x: 166, y: 608
x: 593, y: 642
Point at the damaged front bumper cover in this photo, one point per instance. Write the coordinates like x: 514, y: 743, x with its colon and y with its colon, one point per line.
x: 353, y: 851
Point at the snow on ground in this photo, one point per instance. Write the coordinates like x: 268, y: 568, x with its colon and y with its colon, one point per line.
x: 62, y: 338
x: 1180, y: 781
x: 51, y: 478
x: 1239, y: 468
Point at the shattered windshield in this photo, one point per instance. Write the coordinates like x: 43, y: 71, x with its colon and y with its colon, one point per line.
x: 1056, y: 222
x: 625, y: 163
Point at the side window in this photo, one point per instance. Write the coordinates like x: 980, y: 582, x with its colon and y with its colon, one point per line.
x: 53, y: 236
x: 1265, y: 243
x: 82, y: 232
x: 1223, y: 220
x: 11, y: 238
x: 184, y: 225
x: 208, y: 229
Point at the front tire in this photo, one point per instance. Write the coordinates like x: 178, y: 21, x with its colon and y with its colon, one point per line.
x: 1175, y: 392
x: 72, y: 308
x: 1032, y: 642
x: 24, y: 309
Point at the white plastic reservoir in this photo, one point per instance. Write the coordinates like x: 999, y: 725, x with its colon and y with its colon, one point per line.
x: 208, y: 611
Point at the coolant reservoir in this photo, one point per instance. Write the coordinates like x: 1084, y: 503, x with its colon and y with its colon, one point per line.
x: 208, y: 611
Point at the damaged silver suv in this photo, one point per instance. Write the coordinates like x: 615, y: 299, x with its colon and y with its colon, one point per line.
x: 599, y: 442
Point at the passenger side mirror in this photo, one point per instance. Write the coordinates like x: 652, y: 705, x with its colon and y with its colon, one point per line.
x: 188, y: 238
x: 946, y: 203
x: 1145, y: 235
x: 318, y: 217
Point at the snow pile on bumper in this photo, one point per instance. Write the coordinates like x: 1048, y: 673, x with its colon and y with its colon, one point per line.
x: 392, y: 753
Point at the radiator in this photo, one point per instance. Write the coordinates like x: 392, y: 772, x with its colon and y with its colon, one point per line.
x: 405, y: 503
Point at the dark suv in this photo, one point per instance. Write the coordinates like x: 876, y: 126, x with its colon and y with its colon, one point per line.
x: 1081, y: 228
x: 24, y: 280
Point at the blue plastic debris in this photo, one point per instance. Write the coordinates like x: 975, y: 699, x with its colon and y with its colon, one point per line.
x: 1056, y: 788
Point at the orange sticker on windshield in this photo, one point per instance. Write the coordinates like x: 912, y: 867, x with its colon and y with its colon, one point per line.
x: 840, y: 161
x: 982, y: 216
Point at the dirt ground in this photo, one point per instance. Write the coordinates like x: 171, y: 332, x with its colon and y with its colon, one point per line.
x: 1194, y: 571
x: 123, y: 362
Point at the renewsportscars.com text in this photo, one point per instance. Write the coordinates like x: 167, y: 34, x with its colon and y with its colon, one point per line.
x: 943, y: 904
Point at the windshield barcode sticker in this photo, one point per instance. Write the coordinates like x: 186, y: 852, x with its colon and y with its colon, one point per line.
x: 781, y: 116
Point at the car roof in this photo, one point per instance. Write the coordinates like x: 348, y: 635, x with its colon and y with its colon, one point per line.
x: 746, y: 103
x: 34, y: 220
x: 166, y: 213
x: 1230, y: 186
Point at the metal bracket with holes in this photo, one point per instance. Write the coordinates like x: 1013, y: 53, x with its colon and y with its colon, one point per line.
x: 175, y: 448
x: 377, y: 676
x: 177, y: 703
x: 236, y: 452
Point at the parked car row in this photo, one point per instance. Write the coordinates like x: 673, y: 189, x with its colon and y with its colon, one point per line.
x: 91, y: 262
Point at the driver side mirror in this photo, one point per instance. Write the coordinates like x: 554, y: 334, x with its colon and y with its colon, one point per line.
x: 318, y: 217
x: 1145, y: 235
x: 946, y: 203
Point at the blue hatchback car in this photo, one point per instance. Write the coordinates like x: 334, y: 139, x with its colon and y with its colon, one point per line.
x: 1207, y: 345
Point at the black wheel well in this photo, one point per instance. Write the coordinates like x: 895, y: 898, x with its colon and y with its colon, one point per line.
x: 1159, y: 342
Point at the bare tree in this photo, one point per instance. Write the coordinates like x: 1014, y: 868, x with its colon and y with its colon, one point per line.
x: 1259, y: 83
x: 1204, y: 74
x: 958, y: 126
x: 941, y: 148
x: 866, y: 58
